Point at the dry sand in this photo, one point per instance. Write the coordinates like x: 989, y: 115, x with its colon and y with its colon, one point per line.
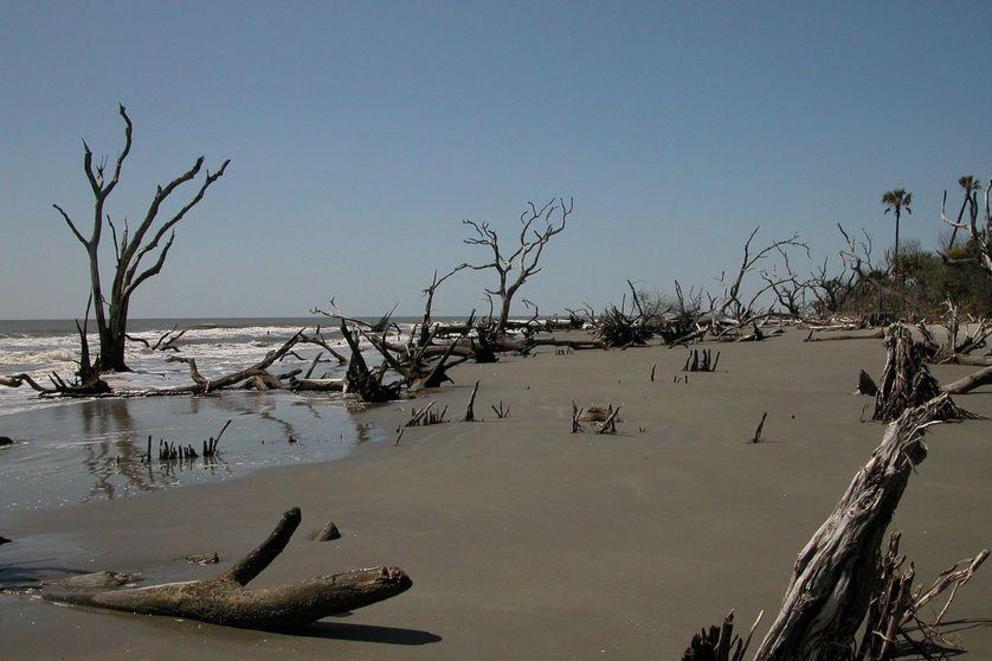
x: 524, y: 540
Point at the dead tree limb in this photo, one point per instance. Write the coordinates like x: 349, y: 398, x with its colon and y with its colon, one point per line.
x: 202, y: 386
x: 225, y: 600
x: 982, y: 377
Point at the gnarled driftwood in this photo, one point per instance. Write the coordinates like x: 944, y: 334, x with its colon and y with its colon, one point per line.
x: 225, y: 600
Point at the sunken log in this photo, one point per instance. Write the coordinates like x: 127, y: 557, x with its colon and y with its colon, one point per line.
x: 225, y: 600
x: 835, y: 574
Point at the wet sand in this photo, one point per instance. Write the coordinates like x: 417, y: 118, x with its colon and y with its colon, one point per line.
x: 524, y: 540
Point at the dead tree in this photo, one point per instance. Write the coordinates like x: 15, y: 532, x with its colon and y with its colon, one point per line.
x: 514, y: 268
x: 732, y: 308
x: 835, y: 574
x: 225, y: 599
x: 130, y: 248
x: 791, y: 293
x: 857, y: 258
x: 830, y: 291
x: 978, y: 226
x: 957, y: 341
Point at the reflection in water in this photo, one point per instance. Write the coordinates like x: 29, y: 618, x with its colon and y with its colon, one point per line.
x: 105, y: 420
x: 95, y: 450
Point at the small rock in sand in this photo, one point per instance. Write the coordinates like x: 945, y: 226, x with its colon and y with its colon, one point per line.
x: 327, y: 533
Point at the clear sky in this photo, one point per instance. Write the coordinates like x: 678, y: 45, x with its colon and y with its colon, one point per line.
x: 361, y: 134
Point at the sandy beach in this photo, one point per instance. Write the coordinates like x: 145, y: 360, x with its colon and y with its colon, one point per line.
x: 524, y: 540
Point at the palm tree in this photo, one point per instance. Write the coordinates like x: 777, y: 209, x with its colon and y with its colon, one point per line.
x: 897, y: 200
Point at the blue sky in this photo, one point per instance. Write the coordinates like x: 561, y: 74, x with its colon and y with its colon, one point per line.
x: 361, y: 134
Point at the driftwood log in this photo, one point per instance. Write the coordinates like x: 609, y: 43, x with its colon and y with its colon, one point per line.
x: 835, y: 574
x: 225, y: 600
x: 980, y: 378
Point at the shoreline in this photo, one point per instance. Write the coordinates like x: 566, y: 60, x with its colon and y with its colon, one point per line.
x: 523, y: 539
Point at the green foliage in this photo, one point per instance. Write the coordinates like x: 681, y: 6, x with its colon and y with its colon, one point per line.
x: 925, y: 281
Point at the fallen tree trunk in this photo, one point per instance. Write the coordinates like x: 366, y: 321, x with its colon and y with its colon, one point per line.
x: 202, y: 386
x: 877, y: 335
x: 982, y: 377
x: 226, y: 601
x: 834, y: 576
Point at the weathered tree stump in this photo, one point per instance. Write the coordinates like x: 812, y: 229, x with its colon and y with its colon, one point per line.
x: 906, y: 380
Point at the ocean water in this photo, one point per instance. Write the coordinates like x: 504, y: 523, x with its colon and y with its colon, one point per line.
x: 70, y: 451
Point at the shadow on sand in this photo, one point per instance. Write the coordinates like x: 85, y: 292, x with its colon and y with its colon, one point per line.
x: 366, y: 633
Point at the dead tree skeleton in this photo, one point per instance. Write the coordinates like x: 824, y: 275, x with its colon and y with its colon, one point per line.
x: 515, y: 268
x: 732, y: 307
x: 130, y: 248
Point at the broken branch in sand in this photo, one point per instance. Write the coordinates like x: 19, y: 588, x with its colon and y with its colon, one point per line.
x: 501, y: 412
x: 701, y: 361
x: 470, y: 409
x: 756, y: 438
x: 226, y: 600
